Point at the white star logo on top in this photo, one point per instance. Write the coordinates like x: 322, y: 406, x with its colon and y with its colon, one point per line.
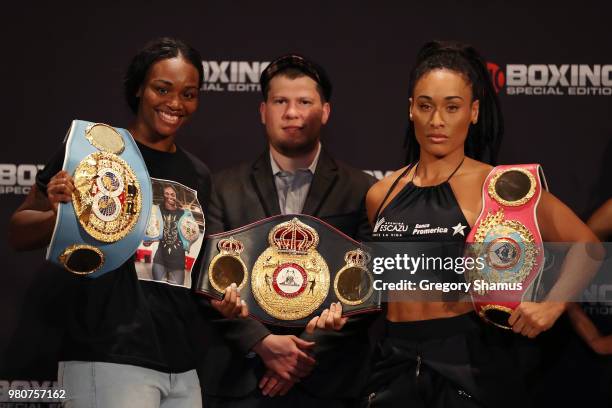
x: 458, y: 229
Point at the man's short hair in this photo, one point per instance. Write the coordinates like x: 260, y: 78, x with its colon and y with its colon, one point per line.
x: 293, y: 65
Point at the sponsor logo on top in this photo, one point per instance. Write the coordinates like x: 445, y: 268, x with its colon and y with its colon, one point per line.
x: 385, y: 228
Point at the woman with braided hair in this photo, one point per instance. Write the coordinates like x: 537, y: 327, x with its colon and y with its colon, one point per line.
x: 440, y: 353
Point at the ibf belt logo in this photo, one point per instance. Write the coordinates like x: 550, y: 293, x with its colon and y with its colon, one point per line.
x: 552, y: 79
x: 17, y: 178
x: 232, y: 76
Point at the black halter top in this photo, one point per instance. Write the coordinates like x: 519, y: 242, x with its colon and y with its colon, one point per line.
x: 421, y: 214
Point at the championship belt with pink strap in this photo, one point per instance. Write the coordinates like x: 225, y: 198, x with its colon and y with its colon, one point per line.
x: 506, y: 236
x: 289, y: 268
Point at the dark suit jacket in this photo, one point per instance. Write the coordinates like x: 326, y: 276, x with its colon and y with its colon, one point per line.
x: 245, y: 194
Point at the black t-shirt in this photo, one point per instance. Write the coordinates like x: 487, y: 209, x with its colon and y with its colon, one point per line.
x: 126, y: 316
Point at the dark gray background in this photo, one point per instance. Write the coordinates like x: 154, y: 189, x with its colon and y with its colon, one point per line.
x: 64, y: 62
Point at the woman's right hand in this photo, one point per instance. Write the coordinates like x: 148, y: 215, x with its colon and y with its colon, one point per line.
x: 330, y: 319
x: 60, y: 189
x: 231, y: 306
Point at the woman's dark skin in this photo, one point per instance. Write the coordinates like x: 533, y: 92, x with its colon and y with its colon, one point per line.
x: 168, y: 97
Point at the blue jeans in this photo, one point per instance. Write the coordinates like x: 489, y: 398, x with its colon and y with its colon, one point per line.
x: 161, y: 273
x: 101, y: 385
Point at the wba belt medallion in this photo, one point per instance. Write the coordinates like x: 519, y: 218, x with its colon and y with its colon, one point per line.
x: 290, y: 278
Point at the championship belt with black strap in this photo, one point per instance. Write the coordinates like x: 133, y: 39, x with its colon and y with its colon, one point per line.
x: 507, y: 237
x: 103, y: 224
x: 289, y: 268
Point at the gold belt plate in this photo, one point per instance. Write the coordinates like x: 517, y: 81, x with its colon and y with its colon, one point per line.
x: 508, y: 248
x: 290, y: 286
x: 290, y: 279
x: 107, y: 199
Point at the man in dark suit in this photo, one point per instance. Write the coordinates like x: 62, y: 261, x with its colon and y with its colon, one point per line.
x: 250, y: 364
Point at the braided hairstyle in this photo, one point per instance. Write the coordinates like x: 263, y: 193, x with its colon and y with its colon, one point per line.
x: 156, y: 50
x: 484, y: 138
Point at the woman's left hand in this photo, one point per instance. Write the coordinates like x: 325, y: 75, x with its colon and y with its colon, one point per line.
x: 330, y: 319
x: 531, y: 319
x: 231, y: 306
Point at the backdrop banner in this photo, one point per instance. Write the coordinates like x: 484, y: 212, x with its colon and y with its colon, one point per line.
x: 551, y: 65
